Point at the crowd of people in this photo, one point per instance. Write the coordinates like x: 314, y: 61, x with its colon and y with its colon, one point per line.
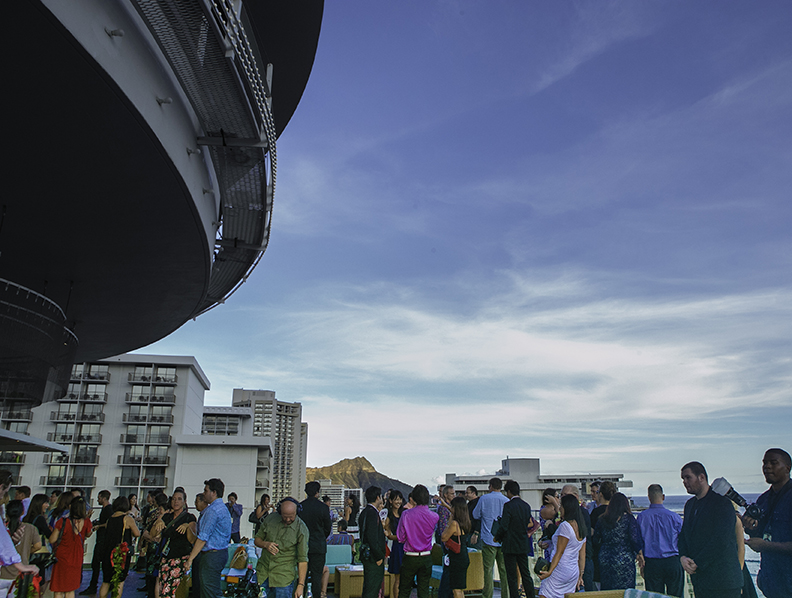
x: 584, y: 546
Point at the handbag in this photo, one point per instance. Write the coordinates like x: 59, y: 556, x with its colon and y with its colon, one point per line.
x: 455, y: 547
x: 542, y: 564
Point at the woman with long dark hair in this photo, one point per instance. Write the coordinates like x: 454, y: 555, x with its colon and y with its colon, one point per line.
x: 395, y: 506
x: 565, y: 574
x: 619, y: 539
x: 351, y: 510
x: 70, y: 534
x: 263, y: 509
x: 29, y: 543
x: 175, y: 546
x: 121, y: 527
x: 458, y: 530
x: 61, y: 508
x: 35, y: 515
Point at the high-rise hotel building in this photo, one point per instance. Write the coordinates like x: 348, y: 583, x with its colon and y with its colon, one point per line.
x: 282, y: 422
x: 133, y: 423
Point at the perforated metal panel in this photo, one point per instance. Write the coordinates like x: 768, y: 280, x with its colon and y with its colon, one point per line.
x: 211, y: 55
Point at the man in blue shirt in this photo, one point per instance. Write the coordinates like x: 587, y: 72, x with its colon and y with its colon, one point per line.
x: 660, y: 529
x: 488, y: 509
x: 210, y: 552
x: 771, y: 535
x: 235, y: 510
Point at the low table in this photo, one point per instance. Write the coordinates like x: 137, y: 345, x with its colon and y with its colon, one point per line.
x: 349, y: 583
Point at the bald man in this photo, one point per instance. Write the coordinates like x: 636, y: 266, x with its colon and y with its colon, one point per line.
x: 283, y: 538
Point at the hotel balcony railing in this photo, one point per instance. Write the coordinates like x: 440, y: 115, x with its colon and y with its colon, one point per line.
x: 88, y: 438
x: 80, y: 417
x: 158, y: 439
x: 149, y: 439
x: 127, y: 481
x: 67, y: 481
x: 78, y: 459
x: 24, y: 415
x: 154, y: 482
x: 95, y: 397
x: 158, y: 379
x: 156, y: 460
x: 53, y: 437
x: 92, y: 376
x: 13, y: 458
x: 262, y: 483
x: 162, y: 399
x: 129, y: 460
x: 261, y: 463
x: 138, y: 418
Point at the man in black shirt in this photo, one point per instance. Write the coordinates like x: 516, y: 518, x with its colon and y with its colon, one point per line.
x: 100, y: 526
x: 316, y: 516
x: 471, y: 494
x: 372, y: 534
x: 708, y: 540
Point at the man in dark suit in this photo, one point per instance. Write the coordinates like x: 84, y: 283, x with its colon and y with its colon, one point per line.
x: 372, y: 534
x: 316, y: 516
x: 513, y: 536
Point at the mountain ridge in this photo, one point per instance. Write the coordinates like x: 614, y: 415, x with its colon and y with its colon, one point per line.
x: 357, y: 472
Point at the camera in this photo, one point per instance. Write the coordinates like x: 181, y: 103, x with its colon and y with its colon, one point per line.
x: 724, y: 488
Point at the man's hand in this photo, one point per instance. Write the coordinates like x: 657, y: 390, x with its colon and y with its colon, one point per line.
x: 182, y: 529
x: 379, y: 562
x: 272, y: 548
x: 688, y: 564
x: 17, y: 537
x: 299, y: 590
x: 748, y: 522
x: 757, y: 544
x: 188, y: 565
x: 474, y: 537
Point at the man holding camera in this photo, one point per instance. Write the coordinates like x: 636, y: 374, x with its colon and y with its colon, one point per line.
x: 708, y: 542
x: 771, y: 533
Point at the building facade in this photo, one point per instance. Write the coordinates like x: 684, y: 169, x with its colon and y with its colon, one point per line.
x: 135, y: 423
x: 282, y: 423
x: 527, y: 473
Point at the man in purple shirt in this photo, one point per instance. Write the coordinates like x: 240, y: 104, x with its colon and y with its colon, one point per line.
x: 416, y: 528
x: 660, y: 529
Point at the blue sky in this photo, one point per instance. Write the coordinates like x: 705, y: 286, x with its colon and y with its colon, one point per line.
x: 536, y: 229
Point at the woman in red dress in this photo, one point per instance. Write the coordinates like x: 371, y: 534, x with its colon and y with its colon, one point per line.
x: 72, y: 532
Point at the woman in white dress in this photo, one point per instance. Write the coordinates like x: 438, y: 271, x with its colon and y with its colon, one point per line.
x: 565, y: 574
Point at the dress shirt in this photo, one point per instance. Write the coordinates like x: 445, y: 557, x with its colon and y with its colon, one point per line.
x: 488, y: 509
x: 235, y: 511
x: 8, y: 553
x: 25, y: 505
x: 416, y: 528
x: 341, y: 538
x: 215, y: 527
x: 292, y: 541
x: 445, y: 516
x: 660, y: 529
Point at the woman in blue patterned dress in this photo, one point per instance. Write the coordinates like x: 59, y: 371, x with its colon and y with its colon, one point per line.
x: 619, y: 539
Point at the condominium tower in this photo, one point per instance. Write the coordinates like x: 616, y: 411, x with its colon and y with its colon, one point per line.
x: 282, y: 422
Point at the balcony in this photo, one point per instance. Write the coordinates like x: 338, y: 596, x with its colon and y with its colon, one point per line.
x: 97, y: 376
x: 88, y: 438
x: 9, y: 457
x: 62, y: 416
x: 262, y: 483
x: 158, y: 439
x: 161, y: 399
x: 156, y: 460
x: 129, y: 460
x: 138, y: 418
x: 95, y: 397
x: 124, y: 481
x: 52, y: 481
x: 91, y: 417
x: 136, y: 378
x: 69, y: 397
x: 82, y: 459
x: 132, y: 438
x: 53, y: 437
x: 20, y: 415
x: 82, y: 481
x: 154, y: 482
x: 172, y: 379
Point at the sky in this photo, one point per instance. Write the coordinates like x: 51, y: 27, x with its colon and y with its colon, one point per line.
x: 557, y: 230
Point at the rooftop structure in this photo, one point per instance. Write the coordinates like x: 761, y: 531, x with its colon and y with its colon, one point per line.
x: 144, y: 169
x: 526, y: 472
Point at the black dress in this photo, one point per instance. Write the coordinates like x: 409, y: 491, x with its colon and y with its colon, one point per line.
x: 458, y: 564
x: 114, y: 536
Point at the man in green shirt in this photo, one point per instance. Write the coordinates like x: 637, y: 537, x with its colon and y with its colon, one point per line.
x: 283, y: 565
